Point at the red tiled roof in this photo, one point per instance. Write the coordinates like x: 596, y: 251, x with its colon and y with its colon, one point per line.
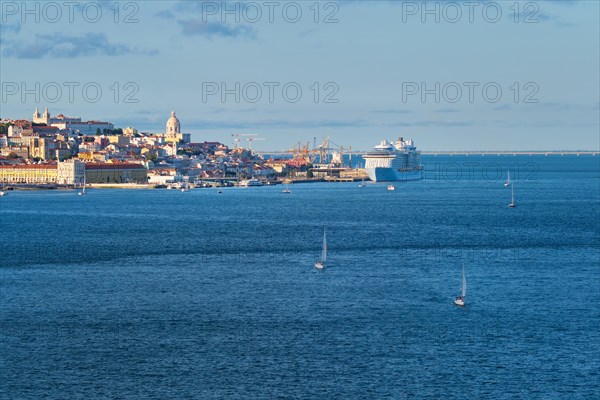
x: 90, y: 166
x: 29, y: 166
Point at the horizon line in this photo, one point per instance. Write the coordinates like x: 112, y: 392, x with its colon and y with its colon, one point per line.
x: 491, y: 152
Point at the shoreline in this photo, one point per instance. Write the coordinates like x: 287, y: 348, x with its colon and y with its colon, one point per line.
x: 8, y: 187
x: 29, y: 187
x: 134, y: 186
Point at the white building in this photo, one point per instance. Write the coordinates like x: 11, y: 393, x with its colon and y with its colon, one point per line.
x: 73, y: 123
x: 71, y: 172
x: 89, y: 128
x: 171, y: 149
x: 173, y: 130
x: 47, y: 119
x: 173, y: 126
x: 129, y: 131
x: 15, y: 131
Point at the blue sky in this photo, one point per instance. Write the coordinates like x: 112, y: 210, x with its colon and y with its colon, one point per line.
x: 370, y: 60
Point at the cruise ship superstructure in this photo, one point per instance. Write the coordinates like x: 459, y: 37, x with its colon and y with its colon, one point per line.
x: 390, y: 162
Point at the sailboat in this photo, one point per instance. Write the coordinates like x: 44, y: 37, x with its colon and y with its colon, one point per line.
x: 2, y: 192
x: 320, y: 264
x: 186, y: 187
x: 362, y: 184
x: 286, y: 190
x: 82, y: 193
x: 460, y: 300
x: 507, y: 183
x: 512, y: 203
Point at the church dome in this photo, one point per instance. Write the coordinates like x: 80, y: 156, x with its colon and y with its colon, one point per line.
x: 173, y: 125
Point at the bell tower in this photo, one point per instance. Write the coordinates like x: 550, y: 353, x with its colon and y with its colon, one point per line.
x: 46, y: 116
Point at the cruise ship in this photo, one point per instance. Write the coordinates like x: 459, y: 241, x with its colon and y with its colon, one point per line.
x: 389, y: 162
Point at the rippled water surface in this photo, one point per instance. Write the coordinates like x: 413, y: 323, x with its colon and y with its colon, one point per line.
x: 164, y: 294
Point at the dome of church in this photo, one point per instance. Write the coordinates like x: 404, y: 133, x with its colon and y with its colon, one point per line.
x: 173, y: 125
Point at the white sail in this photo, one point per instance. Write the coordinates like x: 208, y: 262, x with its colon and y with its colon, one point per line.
x: 82, y: 192
x: 464, y: 283
x: 324, y: 250
x: 512, y: 187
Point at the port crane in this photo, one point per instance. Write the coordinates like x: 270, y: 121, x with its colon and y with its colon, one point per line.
x: 237, y: 138
x: 321, y: 152
x: 301, y: 151
x: 252, y: 139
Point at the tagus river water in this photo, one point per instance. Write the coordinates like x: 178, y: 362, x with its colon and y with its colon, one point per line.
x: 164, y: 294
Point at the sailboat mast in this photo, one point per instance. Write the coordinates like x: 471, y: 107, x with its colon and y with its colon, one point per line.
x: 324, y: 251
x: 464, y: 283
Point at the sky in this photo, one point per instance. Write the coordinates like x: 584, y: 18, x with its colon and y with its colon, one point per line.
x: 475, y: 75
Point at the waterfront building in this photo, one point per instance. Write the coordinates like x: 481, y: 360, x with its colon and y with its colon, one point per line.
x: 115, y: 173
x: 262, y: 171
x: 70, y: 172
x: 279, y: 166
x: 29, y: 173
x: 162, y: 176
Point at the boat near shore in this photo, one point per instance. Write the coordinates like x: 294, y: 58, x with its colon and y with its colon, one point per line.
x: 250, y: 183
x: 392, y: 162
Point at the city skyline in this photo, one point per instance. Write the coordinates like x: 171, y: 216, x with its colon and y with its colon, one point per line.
x: 315, y: 141
x: 530, y: 82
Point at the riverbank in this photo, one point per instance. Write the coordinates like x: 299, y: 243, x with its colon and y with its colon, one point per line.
x: 70, y: 187
x: 121, y: 186
x: 141, y: 186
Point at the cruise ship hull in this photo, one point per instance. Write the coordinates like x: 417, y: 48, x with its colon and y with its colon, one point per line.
x: 392, y: 175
